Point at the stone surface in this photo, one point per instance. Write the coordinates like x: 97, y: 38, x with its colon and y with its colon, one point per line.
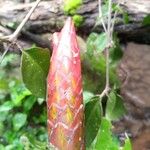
x: 134, y: 72
x: 135, y: 75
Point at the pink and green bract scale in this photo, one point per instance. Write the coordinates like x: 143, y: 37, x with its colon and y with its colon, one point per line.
x: 64, y: 92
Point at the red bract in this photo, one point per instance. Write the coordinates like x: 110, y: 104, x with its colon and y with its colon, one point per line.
x: 64, y: 87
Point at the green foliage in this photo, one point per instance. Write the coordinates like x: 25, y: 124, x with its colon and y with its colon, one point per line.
x: 97, y: 42
x: 93, y: 113
x: 35, y: 145
x: 91, y: 43
x: 104, y: 139
x: 78, y: 20
x: 35, y: 66
x: 126, y: 17
x: 112, y: 104
x: 70, y: 6
x: 19, y: 120
x: 12, y: 25
x: 122, y: 12
x: 95, y: 46
x: 114, y: 108
x: 127, y: 145
x: 19, y: 92
x: 87, y: 96
x: 19, y: 108
x: 115, y: 8
x: 6, y: 106
x: 29, y: 102
x: 116, y: 53
x: 146, y: 20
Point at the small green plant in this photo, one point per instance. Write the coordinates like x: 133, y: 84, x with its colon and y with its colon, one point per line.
x: 70, y: 6
x: 78, y: 20
x: 16, y: 107
x: 146, y: 20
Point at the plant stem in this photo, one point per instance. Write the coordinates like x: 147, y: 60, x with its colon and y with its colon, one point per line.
x: 107, y: 68
x: 109, y: 44
x: 100, y: 15
x: 109, y: 21
x: 13, y: 37
x: 113, y: 20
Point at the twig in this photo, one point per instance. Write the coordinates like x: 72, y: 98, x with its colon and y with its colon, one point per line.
x: 105, y: 92
x: 109, y: 45
x: 101, y: 16
x: 113, y: 20
x: 109, y: 21
x: 13, y: 37
x: 5, y: 52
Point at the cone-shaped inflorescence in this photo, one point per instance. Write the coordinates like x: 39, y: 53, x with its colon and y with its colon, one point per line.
x: 64, y: 92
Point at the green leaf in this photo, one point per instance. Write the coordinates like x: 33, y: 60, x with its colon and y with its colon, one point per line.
x: 9, y: 147
x: 8, y: 59
x: 19, y: 121
x: 116, y: 7
x: 29, y: 102
x: 91, y: 43
x: 146, y: 20
x: 116, y: 52
x: 96, y: 42
x: 115, y: 107
x: 18, y: 93
x: 97, y: 62
x: 25, y: 141
x: 101, y: 42
x: 2, y: 147
x: 3, y: 115
x: 9, y: 135
x: 105, y: 10
x: 87, y: 96
x: 35, y: 66
x: 33, y: 143
x: 127, y: 145
x: 1, y: 128
x: 6, y: 106
x: 93, y: 114
x: 97, y: 65
x: 104, y: 14
x: 104, y: 139
x: 40, y: 100
x: 12, y: 25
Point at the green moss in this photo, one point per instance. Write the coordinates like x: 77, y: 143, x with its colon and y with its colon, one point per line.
x: 78, y: 20
x: 70, y: 6
x: 146, y: 20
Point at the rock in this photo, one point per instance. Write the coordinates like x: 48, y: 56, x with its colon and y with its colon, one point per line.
x: 134, y: 71
x: 142, y: 142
